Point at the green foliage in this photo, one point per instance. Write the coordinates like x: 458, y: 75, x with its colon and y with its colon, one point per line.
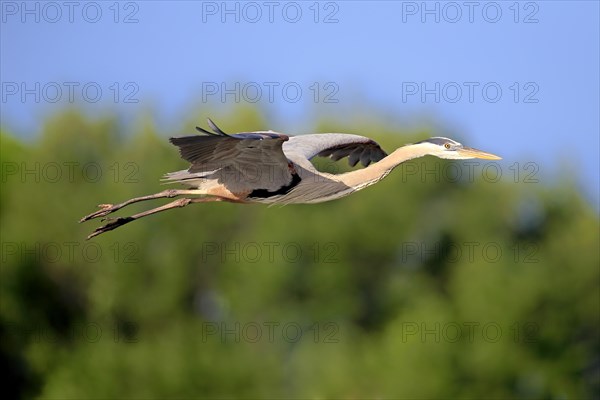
x: 399, y: 291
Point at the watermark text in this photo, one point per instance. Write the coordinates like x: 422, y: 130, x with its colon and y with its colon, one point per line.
x: 53, y: 12
x: 55, y: 252
x: 69, y: 92
x: 270, y: 332
x: 253, y: 12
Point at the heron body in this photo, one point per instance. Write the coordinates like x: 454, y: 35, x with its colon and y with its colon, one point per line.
x: 268, y: 167
x: 273, y: 168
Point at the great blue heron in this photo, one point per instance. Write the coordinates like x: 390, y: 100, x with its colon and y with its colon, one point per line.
x: 273, y: 168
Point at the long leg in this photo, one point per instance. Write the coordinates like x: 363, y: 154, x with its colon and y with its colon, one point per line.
x: 106, y: 209
x: 120, y: 221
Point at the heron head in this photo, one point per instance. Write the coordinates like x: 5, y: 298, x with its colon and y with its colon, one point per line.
x: 450, y: 149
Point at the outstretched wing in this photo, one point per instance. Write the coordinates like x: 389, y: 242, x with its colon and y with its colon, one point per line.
x: 252, y: 160
x: 335, y: 145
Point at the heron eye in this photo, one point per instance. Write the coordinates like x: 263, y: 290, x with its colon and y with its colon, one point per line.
x: 447, y: 145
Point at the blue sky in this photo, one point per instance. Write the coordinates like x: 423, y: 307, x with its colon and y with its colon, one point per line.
x: 521, y: 79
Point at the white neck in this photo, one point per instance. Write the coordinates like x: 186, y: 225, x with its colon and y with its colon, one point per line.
x: 375, y: 172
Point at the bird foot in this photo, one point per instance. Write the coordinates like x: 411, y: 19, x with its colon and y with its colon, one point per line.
x: 105, y: 209
x: 113, y: 224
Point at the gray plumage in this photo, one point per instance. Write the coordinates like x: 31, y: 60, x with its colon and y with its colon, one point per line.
x: 264, y: 162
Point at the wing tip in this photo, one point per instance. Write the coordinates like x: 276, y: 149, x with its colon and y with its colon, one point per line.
x: 216, y: 131
x: 215, y: 128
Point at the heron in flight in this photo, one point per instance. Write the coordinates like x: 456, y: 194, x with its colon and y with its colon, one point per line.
x: 273, y: 168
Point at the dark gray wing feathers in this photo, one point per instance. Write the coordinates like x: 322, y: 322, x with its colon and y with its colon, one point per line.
x: 366, y: 153
x: 242, y: 161
x: 196, y: 149
x: 216, y: 130
x: 220, y: 148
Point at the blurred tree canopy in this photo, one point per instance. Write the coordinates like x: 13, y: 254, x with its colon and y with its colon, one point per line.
x: 431, y: 284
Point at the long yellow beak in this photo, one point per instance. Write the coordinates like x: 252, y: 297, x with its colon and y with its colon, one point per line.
x: 471, y: 152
